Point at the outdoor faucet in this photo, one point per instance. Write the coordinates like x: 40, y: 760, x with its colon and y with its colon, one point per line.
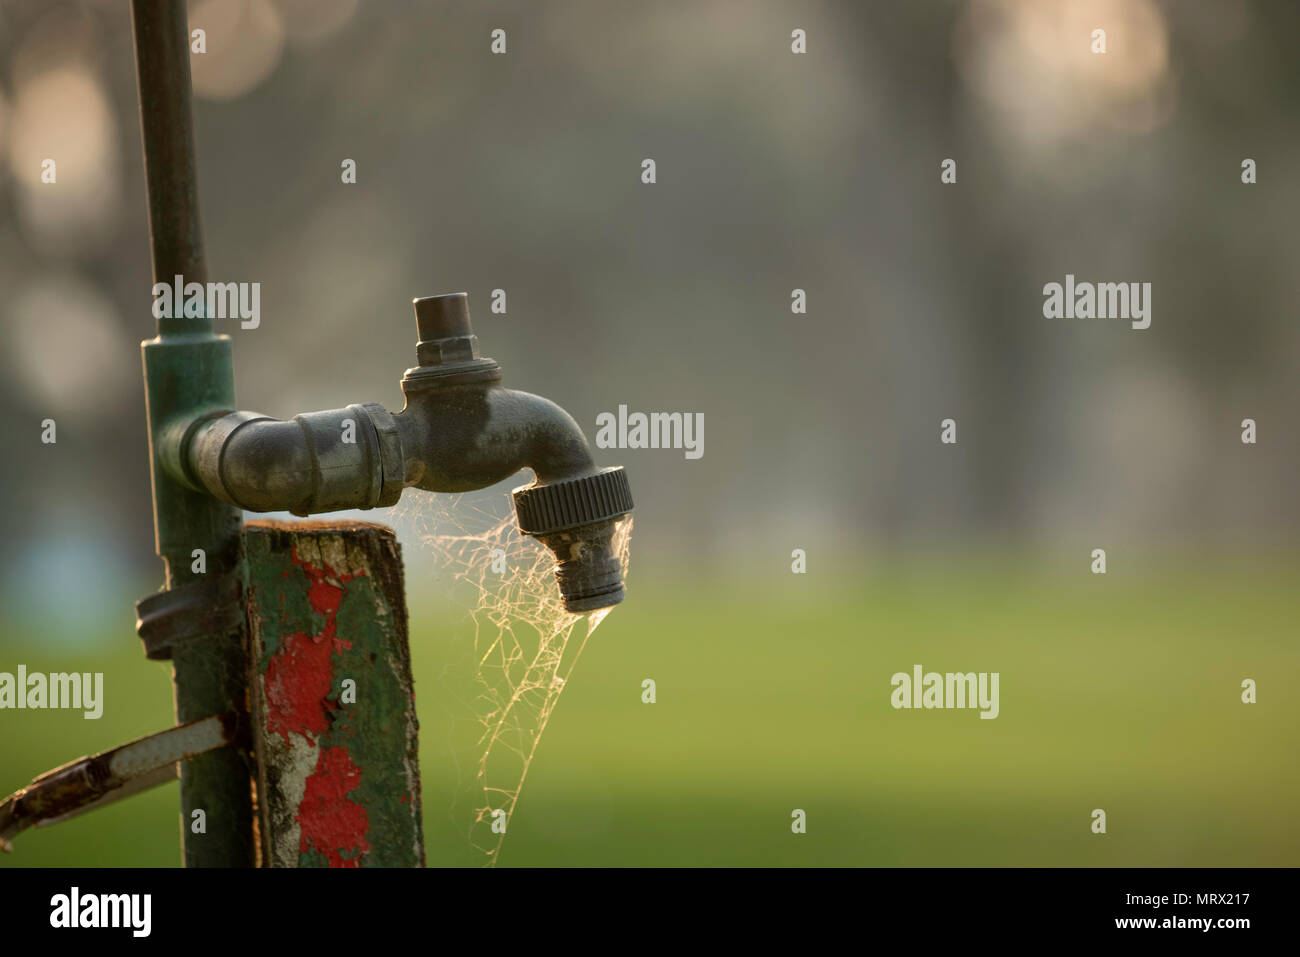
x: 459, y: 430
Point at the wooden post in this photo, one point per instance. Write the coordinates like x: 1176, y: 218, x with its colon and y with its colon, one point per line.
x: 333, y: 705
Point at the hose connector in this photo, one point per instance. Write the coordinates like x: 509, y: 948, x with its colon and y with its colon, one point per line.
x: 575, y: 518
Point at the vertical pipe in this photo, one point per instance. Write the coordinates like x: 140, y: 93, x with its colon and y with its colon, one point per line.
x: 188, y: 370
x: 162, y: 56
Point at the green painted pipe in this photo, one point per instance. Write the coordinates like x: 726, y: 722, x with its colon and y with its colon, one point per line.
x: 189, y: 370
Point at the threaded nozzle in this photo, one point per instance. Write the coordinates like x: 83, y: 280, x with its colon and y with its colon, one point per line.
x: 576, y: 520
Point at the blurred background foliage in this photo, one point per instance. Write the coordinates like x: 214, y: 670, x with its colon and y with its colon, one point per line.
x: 775, y: 172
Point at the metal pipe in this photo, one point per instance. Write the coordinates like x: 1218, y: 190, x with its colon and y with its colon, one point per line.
x: 105, y: 778
x: 189, y: 372
x: 459, y: 430
x: 362, y: 456
x: 162, y: 57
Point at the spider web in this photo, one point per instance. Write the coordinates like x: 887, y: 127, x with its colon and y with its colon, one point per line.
x: 525, y: 644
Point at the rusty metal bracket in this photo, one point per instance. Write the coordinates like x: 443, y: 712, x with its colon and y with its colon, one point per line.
x: 100, y: 779
x: 185, y: 612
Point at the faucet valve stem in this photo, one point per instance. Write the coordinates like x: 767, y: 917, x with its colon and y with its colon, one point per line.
x: 447, y: 350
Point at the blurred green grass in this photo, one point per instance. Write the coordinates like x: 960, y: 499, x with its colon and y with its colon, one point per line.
x: 1119, y: 692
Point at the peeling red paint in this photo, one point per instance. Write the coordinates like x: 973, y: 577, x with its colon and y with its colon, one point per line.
x: 334, y: 767
x: 325, y: 593
x: 331, y: 824
x: 298, y: 681
x: 299, y: 676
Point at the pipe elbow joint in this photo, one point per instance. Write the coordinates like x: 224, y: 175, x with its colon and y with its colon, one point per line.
x: 471, y: 436
x: 315, y: 462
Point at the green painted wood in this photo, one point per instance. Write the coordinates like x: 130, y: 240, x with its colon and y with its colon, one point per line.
x: 333, y: 703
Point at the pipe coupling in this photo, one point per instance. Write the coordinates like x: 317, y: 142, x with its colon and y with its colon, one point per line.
x: 315, y: 462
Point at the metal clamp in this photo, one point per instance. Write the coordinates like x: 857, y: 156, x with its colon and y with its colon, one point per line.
x: 391, y: 462
x: 185, y: 612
